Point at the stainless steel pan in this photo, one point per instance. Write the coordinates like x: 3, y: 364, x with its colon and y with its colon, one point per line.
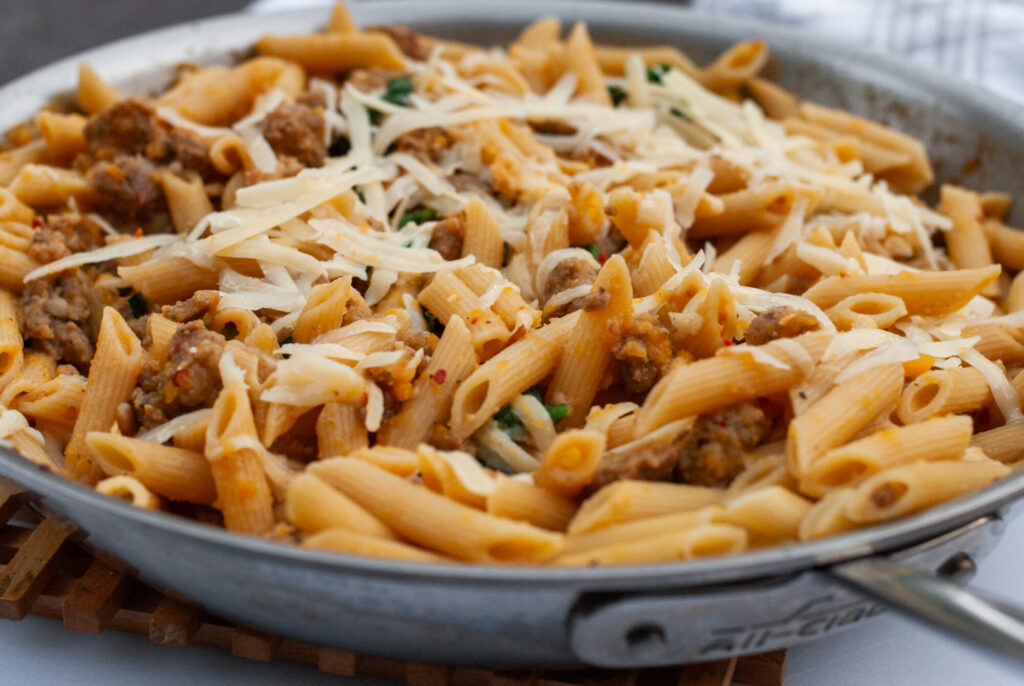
x: 627, y: 616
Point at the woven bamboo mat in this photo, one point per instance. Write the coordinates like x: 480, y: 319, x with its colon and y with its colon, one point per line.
x: 44, y: 572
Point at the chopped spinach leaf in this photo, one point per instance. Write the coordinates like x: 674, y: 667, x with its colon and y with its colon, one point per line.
x: 655, y: 73
x: 679, y: 113
x: 558, y: 412
x: 138, y: 304
x: 617, y: 94
x: 397, y: 91
x: 418, y: 216
x: 434, y: 325
x: 506, y: 418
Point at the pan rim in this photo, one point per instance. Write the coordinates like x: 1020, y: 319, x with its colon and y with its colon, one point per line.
x: 44, y: 83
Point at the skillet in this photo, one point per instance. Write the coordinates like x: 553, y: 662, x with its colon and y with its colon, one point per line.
x: 618, y: 616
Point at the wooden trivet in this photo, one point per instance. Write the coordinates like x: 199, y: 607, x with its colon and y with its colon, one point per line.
x: 44, y: 572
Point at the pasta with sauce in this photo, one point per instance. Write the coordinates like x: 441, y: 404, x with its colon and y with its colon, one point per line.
x: 558, y: 303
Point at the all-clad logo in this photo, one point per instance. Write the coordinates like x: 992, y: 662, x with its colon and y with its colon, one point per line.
x: 814, y: 618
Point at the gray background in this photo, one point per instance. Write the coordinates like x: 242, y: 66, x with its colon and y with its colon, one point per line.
x: 36, y: 32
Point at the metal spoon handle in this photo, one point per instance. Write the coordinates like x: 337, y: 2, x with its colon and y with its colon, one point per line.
x: 988, y: 622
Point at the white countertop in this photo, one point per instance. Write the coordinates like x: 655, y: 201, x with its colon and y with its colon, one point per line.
x: 886, y: 651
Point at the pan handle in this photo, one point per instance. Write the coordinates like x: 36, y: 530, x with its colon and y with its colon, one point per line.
x: 986, y: 621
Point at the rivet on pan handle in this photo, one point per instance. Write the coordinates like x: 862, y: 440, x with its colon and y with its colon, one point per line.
x: 982, y: 619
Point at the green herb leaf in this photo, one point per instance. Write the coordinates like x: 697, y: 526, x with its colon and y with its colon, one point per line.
x: 558, y: 412
x: 679, y: 113
x: 617, y: 94
x: 138, y: 304
x: 359, y: 194
x: 288, y: 340
x: 434, y: 325
x: 398, y: 90
x: 418, y: 216
x: 506, y: 418
x: 592, y: 249
x: 655, y: 73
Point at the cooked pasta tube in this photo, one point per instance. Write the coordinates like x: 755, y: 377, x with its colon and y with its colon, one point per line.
x: 998, y: 341
x: 324, y: 310
x: 340, y: 430
x: 827, y: 516
x: 698, y: 541
x: 94, y: 94
x: 941, y: 438
x: 912, y: 178
x: 186, y: 200
x: 966, y: 242
x: 624, y: 501
x: 925, y: 293
x: 483, y: 236
x: 448, y: 296
x: 129, y: 489
x: 612, y: 58
x: 453, y: 361
x: 456, y: 475
x: 753, y: 209
x: 840, y: 414
x: 588, y: 348
x: 581, y: 61
x: 399, y: 461
x: 673, y: 398
x: 341, y: 20
x: 313, y: 505
x: 335, y: 52
x: 171, y: 472
x: 909, y: 488
x: 348, y: 541
x: 57, y: 401
x: 766, y: 470
x: 516, y: 368
x: 1003, y: 443
x: 112, y: 376
x: 169, y: 279
x: 777, y: 102
x: 737, y: 65
x: 435, y: 522
x: 520, y: 499
x: 771, y: 513
x: 63, y: 133
x: 568, y: 464
x: 867, y: 311
x: 42, y: 185
x: 11, y: 345
x: 218, y: 95
x: 233, y: 450
x: 944, y: 391
x: 648, y: 527
x: 1006, y: 243
x: 509, y: 304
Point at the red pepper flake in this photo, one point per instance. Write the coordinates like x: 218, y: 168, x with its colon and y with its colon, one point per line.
x: 366, y: 398
x: 474, y: 320
x: 439, y: 376
x: 601, y: 257
x: 180, y: 378
x: 138, y: 232
x: 37, y: 222
x: 727, y: 343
